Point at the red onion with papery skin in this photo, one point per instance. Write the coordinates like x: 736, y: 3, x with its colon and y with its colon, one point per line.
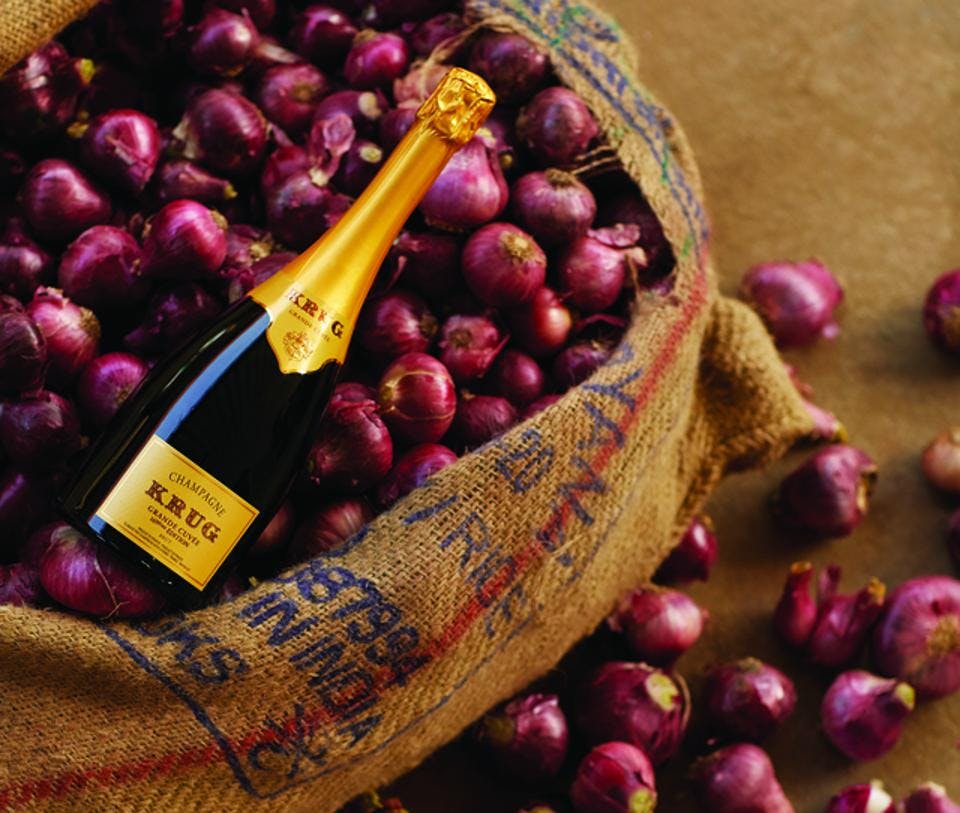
x: 59, y: 201
x: 375, y: 59
x: 329, y: 527
x: 101, y: 269
x: 172, y: 316
x: 862, y: 714
x: 468, y: 346
x: 278, y: 532
x: 538, y: 406
x: 23, y: 349
x: 591, y: 274
x: 748, y: 699
x: 184, y: 240
x: 224, y: 131
x: 268, y: 54
x: 352, y: 451
x: 658, y: 625
x: 180, y: 178
x: 481, y: 418
x: 738, y: 779
x: 40, y: 431
x: 635, y: 703
x: 929, y: 798
x: 941, y: 461
x: 796, y: 611
x: 364, y: 108
x: 412, y: 470
x: 300, y: 209
x: 556, y: 126
x: 72, y: 334
x: 23, y: 263
x: 826, y: 425
x: 122, y: 148
x: 693, y: 557
x: 503, y: 265
x: 542, y: 326
x: 415, y: 87
x: 614, y: 777
x: 427, y: 35
x: 248, y: 279
x: 322, y: 34
x: 89, y: 578
x: 469, y: 192
x: 828, y: 494
x: 261, y: 12
x: 38, y: 95
x: 24, y: 502
x: 512, y: 64
x: 289, y: 94
x: 868, y: 797
x: 281, y: 164
x: 941, y: 312
x: 554, y: 206
x: 357, y: 168
x: 222, y: 43
x: 20, y: 585
x: 795, y: 300
x: 105, y: 383
x: 843, y: 620
x: 417, y: 398
x: 579, y: 361
x: 395, y: 323
x: 395, y: 124
x: 527, y: 737
x: 430, y: 263
x: 328, y: 142
x: 918, y: 636
x: 517, y: 377
x: 247, y: 245
x: 631, y: 208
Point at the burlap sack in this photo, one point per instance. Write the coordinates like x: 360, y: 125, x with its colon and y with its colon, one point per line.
x: 344, y: 672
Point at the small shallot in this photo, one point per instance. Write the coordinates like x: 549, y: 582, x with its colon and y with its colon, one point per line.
x: 554, y: 206
x: 59, y: 201
x: 941, y: 312
x: 658, y: 625
x: 748, y: 699
x: 930, y: 798
x: 738, y: 779
x: 693, y: 557
x: 468, y: 346
x: 105, y: 383
x: 941, y: 461
x: 329, y: 527
x: 867, y: 797
x: 72, y: 334
x: 615, y: 777
x: 527, y: 736
x: 412, y: 470
x: 101, y: 269
x: 184, y: 240
x: 556, y: 126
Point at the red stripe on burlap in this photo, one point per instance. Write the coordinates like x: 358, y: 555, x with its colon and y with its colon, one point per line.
x: 58, y: 786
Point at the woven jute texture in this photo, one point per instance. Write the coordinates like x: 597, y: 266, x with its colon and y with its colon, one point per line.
x: 348, y: 670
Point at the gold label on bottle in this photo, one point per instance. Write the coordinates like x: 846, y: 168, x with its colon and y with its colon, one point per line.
x: 177, y: 512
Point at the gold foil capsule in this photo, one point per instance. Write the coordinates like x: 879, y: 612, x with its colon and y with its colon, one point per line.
x: 458, y: 107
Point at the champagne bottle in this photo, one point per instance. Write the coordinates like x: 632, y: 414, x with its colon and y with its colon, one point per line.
x: 201, y: 455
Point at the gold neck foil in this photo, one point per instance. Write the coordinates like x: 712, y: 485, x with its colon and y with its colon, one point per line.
x: 458, y: 107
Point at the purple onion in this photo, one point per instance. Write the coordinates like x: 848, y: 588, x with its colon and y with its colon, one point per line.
x: 828, y: 494
x: 693, y: 557
x: 514, y: 66
x: 538, y: 406
x: 59, y: 201
x: 468, y: 346
x: 105, y: 383
x: 918, y: 636
x: 172, y: 317
x: 122, y: 147
x: 738, y: 779
x: 427, y: 35
x: 412, y: 470
x: 261, y: 12
x: 300, y: 209
x: 527, y: 736
x: 24, y: 502
x: 614, y: 777
x: 364, y: 108
x: 796, y: 612
x: 329, y: 527
x: 795, y: 300
x: 395, y: 124
x: 23, y: 263
x: 635, y: 703
x: 90, y: 579
x: 579, y: 361
x: 184, y: 240
x: 101, y: 269
x: 246, y: 245
x: 248, y: 279
x: 23, y: 349
x: 184, y: 179
x: 222, y: 43
x: 278, y: 532
x: 941, y: 312
x: 289, y: 94
x: 503, y: 265
x: 862, y: 714
x: 417, y: 398
x: 396, y: 323
x: 941, y: 461
x: 591, y: 274
x: 553, y: 206
x: 375, y: 59
x: 929, y: 798
x: 20, y: 585
x: 322, y: 34
x: 357, y: 168
x: 481, y: 418
x: 40, y: 431
x: 748, y: 699
x: 470, y: 191
x: 863, y: 798
x: 281, y: 164
x: 556, y: 126
x: 72, y: 334
x: 428, y: 262
x: 658, y: 625
x: 517, y: 377
x: 224, y: 131
x: 843, y: 620
x: 542, y: 326
x: 352, y: 451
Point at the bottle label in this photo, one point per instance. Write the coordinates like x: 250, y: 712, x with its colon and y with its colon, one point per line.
x: 305, y: 332
x: 177, y: 512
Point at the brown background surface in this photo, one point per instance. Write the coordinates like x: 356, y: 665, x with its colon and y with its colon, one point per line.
x: 831, y: 129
